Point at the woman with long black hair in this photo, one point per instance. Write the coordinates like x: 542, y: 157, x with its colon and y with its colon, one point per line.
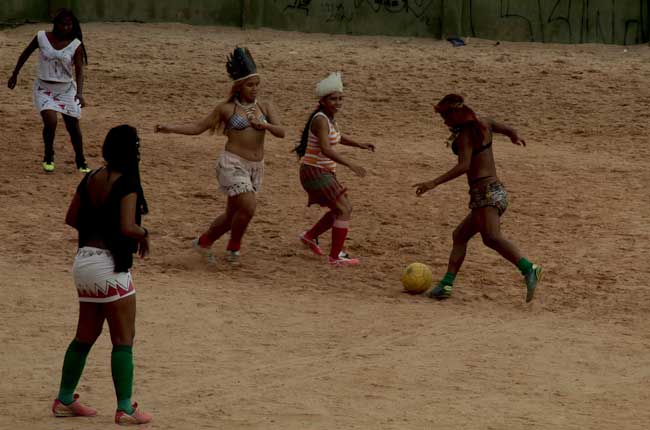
x: 107, y: 210
x: 58, y: 88
x: 318, y: 170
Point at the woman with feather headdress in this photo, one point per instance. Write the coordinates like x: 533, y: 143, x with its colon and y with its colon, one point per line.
x: 240, y: 168
x: 318, y: 171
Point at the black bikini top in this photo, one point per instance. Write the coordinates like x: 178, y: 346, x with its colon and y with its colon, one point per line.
x: 454, y: 145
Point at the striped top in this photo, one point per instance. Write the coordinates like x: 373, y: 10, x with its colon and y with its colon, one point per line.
x: 313, y: 154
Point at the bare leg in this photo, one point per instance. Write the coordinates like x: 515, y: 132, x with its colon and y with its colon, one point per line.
x: 91, y: 321
x: 221, y: 224
x: 489, y: 224
x: 49, y: 131
x: 72, y: 125
x: 120, y: 315
x: 462, y: 235
x: 245, y: 205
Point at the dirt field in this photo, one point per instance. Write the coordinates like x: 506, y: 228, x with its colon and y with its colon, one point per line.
x: 285, y: 342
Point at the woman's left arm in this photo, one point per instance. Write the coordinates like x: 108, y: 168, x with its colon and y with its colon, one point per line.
x: 79, y: 74
x: 347, y: 141
x: 72, y: 215
x: 272, y: 123
x: 497, y: 127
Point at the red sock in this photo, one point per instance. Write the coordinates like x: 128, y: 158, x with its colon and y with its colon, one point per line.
x: 204, y: 241
x: 339, y: 233
x: 323, y: 224
x: 233, y: 246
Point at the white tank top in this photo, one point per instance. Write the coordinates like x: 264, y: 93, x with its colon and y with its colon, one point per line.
x: 55, y: 65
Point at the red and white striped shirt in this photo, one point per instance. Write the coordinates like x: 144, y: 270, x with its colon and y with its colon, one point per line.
x: 314, y: 154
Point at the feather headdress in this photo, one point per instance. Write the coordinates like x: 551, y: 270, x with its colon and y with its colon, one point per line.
x: 329, y: 85
x: 240, y: 64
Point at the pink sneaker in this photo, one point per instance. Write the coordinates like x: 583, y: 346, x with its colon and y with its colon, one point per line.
x: 74, y: 409
x: 343, y: 261
x: 136, y: 417
x: 311, y: 243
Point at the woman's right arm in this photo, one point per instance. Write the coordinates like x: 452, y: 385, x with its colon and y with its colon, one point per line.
x: 195, y: 128
x: 320, y: 128
x: 33, y: 46
x: 129, y: 228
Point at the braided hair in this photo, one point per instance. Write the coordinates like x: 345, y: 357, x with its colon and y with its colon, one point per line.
x: 59, y: 16
x: 302, y: 146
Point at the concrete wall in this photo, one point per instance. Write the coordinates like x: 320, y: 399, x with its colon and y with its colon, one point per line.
x: 567, y: 21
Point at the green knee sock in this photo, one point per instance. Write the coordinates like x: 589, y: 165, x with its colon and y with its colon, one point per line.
x: 524, y: 266
x: 122, y: 370
x: 73, y: 366
x: 448, y: 279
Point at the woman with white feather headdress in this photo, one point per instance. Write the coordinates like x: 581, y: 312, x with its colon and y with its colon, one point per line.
x: 318, y: 170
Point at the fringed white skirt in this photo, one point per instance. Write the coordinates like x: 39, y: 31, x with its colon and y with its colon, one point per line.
x: 57, y: 96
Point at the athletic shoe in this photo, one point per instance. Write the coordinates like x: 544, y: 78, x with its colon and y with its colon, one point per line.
x: 134, y: 418
x: 232, y: 257
x: 48, y: 166
x: 74, y: 409
x: 311, y: 243
x: 205, y: 252
x: 440, y: 291
x: 532, y: 279
x: 84, y: 169
x: 343, y: 261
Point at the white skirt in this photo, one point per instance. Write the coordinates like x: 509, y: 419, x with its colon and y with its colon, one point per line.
x: 57, y: 96
x: 95, y: 278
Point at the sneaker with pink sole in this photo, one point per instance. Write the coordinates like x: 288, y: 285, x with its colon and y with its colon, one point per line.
x: 343, y: 261
x: 311, y: 244
x: 134, y: 418
x: 74, y: 409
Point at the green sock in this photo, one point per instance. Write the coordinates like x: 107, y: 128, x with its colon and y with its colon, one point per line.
x: 524, y: 266
x: 73, y: 366
x: 122, y: 370
x: 448, y: 279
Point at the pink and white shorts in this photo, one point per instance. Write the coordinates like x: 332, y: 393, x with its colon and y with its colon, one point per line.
x: 95, y: 278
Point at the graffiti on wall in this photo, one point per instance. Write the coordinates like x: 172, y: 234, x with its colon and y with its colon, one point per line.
x: 582, y: 20
x: 345, y: 11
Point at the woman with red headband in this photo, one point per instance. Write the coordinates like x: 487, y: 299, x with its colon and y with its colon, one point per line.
x: 471, y: 141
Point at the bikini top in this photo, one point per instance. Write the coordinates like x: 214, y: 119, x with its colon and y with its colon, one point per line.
x: 241, y: 122
x: 475, y: 151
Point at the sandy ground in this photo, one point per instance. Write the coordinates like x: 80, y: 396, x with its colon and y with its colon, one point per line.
x: 283, y: 341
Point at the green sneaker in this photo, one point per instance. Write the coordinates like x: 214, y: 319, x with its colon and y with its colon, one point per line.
x: 440, y: 291
x: 48, y: 166
x: 532, y: 279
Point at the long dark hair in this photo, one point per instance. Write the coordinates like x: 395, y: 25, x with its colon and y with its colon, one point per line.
x: 121, y: 150
x: 59, y: 16
x: 302, y: 146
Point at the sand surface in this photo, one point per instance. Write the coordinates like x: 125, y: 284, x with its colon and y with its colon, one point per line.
x: 283, y: 341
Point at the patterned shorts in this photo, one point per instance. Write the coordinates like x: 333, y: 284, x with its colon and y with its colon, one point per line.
x: 321, y: 185
x: 95, y: 277
x: 236, y: 175
x: 493, y: 194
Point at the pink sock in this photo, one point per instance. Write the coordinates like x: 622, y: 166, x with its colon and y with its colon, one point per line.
x: 339, y: 233
x: 323, y: 224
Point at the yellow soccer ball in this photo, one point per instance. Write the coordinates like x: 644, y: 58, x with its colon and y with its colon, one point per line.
x: 417, y: 278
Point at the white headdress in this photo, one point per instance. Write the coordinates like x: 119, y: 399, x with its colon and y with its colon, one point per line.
x: 330, y: 84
